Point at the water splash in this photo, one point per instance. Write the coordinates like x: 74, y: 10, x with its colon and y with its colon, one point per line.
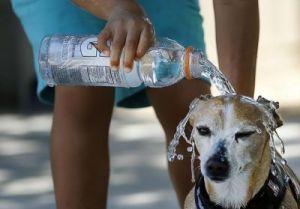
x: 271, y: 124
x: 180, y: 132
x: 190, y: 149
x: 281, y: 142
x: 200, y: 68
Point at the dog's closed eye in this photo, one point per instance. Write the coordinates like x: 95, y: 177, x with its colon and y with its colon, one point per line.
x: 241, y: 135
x: 204, y: 131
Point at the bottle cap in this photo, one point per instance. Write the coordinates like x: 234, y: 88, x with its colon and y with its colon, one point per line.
x: 187, y: 70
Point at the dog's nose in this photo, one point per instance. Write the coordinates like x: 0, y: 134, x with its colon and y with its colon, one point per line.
x: 217, y: 168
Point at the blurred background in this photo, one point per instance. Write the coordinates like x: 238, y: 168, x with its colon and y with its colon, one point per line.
x: 136, y: 182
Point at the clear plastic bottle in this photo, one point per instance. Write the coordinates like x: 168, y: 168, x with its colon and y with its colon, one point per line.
x: 73, y: 60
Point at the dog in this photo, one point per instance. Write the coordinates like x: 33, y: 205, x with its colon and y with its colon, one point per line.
x: 232, y: 136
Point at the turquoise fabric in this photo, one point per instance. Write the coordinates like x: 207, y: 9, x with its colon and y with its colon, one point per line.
x: 177, y: 19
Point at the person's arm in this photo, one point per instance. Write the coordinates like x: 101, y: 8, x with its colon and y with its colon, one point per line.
x: 127, y: 27
x: 237, y: 32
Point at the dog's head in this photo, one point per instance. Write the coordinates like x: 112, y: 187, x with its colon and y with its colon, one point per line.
x: 230, y: 134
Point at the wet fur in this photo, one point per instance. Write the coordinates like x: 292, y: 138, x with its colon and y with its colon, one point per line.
x: 249, y: 158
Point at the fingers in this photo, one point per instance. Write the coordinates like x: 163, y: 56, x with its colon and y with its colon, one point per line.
x: 132, y: 41
x: 146, y: 41
x: 117, y: 47
x: 133, y: 34
x: 103, y: 39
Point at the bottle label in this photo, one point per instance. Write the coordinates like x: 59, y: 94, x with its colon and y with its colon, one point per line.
x: 76, y: 61
x: 87, y: 75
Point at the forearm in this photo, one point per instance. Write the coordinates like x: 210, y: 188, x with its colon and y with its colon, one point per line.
x: 237, y: 32
x: 104, y: 8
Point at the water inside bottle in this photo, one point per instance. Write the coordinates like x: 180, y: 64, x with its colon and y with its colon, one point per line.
x: 162, y: 67
x: 167, y: 72
x: 164, y: 74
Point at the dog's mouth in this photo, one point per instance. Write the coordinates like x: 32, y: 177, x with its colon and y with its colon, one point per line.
x: 218, y: 179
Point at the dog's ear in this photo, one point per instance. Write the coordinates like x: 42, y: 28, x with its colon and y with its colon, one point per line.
x: 271, y: 106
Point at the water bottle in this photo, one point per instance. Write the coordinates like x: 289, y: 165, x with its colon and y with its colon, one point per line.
x: 74, y: 60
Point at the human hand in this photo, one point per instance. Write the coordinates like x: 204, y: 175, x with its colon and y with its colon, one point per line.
x: 127, y: 28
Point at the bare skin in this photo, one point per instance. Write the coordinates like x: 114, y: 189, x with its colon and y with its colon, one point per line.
x: 237, y: 30
x: 79, y: 146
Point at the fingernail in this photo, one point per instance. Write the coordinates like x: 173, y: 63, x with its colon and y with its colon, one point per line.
x: 137, y: 55
x: 127, y: 69
x: 106, y: 52
x: 114, y: 64
x: 114, y: 68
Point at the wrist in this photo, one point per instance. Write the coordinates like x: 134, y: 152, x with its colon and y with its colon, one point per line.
x: 125, y: 6
x: 105, y: 8
x: 116, y: 6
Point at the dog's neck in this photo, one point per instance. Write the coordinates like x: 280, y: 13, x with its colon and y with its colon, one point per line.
x: 238, y: 190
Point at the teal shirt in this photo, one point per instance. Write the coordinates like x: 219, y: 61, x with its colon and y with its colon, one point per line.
x: 176, y: 19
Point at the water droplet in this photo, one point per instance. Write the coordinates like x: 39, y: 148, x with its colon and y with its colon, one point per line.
x: 179, y: 157
x: 274, y: 172
x: 171, y: 158
x: 283, y: 161
x: 180, y: 131
x: 190, y: 149
x: 51, y: 84
x: 259, y: 131
x: 286, y: 178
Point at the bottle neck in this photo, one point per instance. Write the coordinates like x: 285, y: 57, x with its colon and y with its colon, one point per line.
x: 197, y: 66
x: 193, y: 63
x: 192, y: 58
x: 187, y: 60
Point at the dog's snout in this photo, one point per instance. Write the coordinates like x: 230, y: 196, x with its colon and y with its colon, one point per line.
x: 217, y: 168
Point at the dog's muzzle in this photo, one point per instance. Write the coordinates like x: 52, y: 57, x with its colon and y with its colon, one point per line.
x: 217, y: 168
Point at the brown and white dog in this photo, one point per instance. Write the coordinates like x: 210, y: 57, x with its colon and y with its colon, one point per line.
x: 232, y: 138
